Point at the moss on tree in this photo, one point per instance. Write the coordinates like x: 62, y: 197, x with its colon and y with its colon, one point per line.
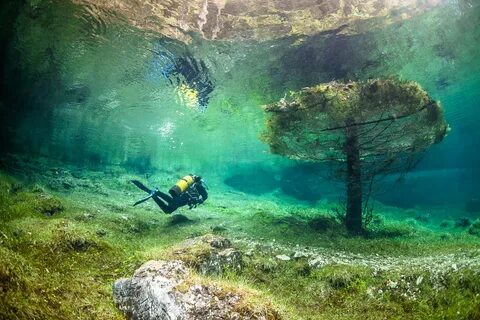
x: 368, y: 128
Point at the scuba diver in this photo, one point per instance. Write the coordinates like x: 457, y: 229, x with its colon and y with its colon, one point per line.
x: 190, y: 190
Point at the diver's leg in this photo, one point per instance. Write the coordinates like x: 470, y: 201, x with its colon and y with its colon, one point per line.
x: 165, y: 207
x: 170, y: 209
x: 164, y: 196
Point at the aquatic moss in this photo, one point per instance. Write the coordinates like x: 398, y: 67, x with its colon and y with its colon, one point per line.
x: 12, y: 267
x: 193, y: 255
x: 82, y: 265
x: 391, y: 230
x: 324, y: 223
x: 475, y: 228
x: 53, y: 268
x: 251, y: 303
x: 48, y: 205
x: 344, y: 278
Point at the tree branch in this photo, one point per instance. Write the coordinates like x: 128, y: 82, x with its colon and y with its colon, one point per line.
x: 374, y: 121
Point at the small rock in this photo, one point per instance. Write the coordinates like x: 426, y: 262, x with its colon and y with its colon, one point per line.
x: 135, y: 229
x: 370, y: 292
x: 317, y: 262
x: 283, y: 257
x: 153, y: 222
x: 299, y: 255
x: 392, y: 284
x: 89, y: 216
x: 218, y: 229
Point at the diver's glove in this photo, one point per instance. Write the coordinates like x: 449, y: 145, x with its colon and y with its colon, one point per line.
x: 193, y: 202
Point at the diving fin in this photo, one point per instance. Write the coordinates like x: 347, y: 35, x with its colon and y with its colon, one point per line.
x: 142, y: 200
x: 141, y: 186
x: 152, y: 193
x: 144, y: 188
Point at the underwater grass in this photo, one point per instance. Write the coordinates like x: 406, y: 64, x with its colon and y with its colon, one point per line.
x: 62, y: 265
x: 353, y: 292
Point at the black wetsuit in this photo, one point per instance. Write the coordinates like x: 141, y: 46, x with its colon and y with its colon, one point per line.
x: 194, y: 195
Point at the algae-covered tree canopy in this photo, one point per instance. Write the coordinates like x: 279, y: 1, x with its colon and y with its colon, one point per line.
x: 373, y: 127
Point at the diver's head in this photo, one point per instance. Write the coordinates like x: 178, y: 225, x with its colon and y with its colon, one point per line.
x: 197, y: 178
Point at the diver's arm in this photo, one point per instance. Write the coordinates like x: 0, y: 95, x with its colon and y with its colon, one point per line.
x: 202, y: 191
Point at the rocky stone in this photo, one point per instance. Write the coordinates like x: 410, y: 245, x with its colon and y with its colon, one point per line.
x: 209, y: 254
x: 149, y: 293
x: 218, y: 229
x: 101, y: 233
x: 392, y: 284
x: 167, y: 290
x: 89, y: 215
x: 299, y: 254
x: 282, y: 257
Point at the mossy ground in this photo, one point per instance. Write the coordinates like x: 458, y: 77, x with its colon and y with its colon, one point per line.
x: 67, y: 234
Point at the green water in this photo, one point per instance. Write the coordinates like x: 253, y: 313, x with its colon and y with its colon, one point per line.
x: 92, y: 98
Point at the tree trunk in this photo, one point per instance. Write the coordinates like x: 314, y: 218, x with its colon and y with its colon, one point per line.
x: 353, y: 218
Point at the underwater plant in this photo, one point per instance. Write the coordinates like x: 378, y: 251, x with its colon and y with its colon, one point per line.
x: 366, y: 129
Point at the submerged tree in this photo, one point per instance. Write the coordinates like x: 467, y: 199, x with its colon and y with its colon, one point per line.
x: 370, y: 128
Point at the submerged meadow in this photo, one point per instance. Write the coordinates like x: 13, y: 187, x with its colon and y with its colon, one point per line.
x: 68, y: 234
x: 337, y: 141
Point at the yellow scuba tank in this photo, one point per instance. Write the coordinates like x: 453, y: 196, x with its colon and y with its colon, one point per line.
x: 182, y: 185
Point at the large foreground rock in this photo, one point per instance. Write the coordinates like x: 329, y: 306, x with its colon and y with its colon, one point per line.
x: 167, y: 290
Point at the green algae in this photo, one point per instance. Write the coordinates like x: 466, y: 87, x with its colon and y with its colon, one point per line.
x: 62, y: 266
